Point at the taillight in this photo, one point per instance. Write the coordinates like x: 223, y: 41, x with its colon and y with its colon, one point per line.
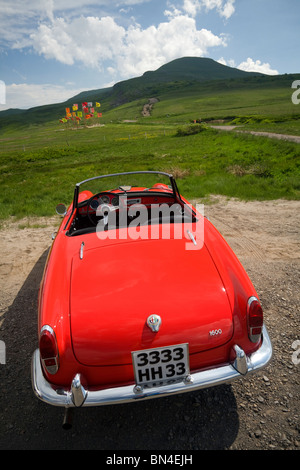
x: 48, y: 349
x: 254, y: 319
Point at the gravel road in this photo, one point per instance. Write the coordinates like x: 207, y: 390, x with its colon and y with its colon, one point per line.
x: 258, y: 412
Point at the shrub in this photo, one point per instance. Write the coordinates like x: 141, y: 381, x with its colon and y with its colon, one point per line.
x: 191, y: 130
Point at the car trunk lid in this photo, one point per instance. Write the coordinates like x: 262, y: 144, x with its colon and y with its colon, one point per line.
x: 115, y: 288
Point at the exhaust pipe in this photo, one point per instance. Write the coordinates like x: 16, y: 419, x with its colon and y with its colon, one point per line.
x: 68, y: 419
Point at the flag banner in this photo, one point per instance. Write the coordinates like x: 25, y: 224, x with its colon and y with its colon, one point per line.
x: 88, y: 112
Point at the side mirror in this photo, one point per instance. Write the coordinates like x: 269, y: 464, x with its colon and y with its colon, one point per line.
x: 61, y: 209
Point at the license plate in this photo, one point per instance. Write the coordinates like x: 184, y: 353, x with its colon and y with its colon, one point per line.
x: 160, y: 366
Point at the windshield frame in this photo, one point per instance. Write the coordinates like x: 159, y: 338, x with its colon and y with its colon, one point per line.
x: 173, y: 184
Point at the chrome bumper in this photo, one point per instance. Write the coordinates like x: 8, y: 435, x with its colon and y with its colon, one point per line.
x: 77, y: 395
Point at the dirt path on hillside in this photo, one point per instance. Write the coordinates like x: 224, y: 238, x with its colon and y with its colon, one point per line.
x: 259, y: 412
x: 147, y: 108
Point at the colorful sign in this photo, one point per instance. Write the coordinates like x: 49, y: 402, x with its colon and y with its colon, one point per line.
x: 88, y: 112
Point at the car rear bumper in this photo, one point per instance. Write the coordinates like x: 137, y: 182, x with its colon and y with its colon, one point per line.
x: 78, y: 395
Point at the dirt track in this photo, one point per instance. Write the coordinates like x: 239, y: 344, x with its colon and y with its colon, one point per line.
x: 259, y: 412
x: 271, y: 135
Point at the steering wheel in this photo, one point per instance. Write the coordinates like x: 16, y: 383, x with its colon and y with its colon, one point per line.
x: 98, y: 209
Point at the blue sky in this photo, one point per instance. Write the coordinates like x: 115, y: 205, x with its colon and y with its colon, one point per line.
x: 50, y: 49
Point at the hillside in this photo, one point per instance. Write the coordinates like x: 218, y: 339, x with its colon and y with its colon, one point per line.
x: 179, y: 71
x: 186, y: 77
x: 195, y: 69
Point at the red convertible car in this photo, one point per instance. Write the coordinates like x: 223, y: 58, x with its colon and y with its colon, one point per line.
x: 141, y: 297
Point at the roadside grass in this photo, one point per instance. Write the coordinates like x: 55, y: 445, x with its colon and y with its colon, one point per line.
x: 40, y: 166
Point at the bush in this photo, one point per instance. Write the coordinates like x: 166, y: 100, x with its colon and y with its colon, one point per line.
x: 191, y: 130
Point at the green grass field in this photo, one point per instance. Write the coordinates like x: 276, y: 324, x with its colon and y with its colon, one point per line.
x: 40, y: 163
x: 40, y: 169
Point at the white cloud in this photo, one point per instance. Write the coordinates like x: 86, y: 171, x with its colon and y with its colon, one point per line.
x: 228, y: 9
x: 225, y: 8
x: 150, y: 48
x: 92, y: 41
x: 250, y: 65
x: 229, y: 63
x: 20, y: 18
x: 257, y: 66
x: 28, y: 96
x: 86, y: 40
x: 191, y: 7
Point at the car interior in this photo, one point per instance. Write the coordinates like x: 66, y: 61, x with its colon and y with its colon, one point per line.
x: 124, y: 207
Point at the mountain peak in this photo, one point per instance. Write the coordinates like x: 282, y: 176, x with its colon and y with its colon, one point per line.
x: 196, y: 68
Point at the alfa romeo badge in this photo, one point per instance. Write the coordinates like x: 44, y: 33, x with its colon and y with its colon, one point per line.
x: 154, y: 322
